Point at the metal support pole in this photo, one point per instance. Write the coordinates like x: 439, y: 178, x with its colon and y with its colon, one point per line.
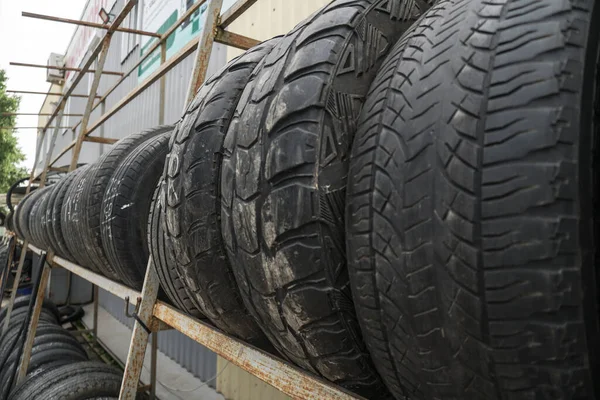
x: 205, y: 45
x: 51, y: 148
x: 139, y: 337
x: 15, y: 286
x: 153, y: 362
x: 163, y: 83
x: 95, y: 325
x: 33, y: 323
x: 88, y: 108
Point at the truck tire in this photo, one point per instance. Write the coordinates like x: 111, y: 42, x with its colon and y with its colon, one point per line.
x: 96, y: 187
x: 126, y: 206
x: 164, y: 259
x: 56, y: 218
x: 71, y: 219
x: 78, y: 381
x: 283, y: 184
x: 193, y: 197
x: 472, y: 235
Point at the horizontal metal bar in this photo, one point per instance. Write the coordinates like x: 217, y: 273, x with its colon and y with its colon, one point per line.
x: 162, y: 70
x: 235, y: 11
x: 98, y: 139
x: 40, y: 114
x: 47, y: 93
x: 86, y: 23
x: 92, y: 57
x: 58, y: 169
x: 289, y: 379
x: 20, y: 64
x: 235, y: 40
x: 154, y: 47
x: 113, y: 287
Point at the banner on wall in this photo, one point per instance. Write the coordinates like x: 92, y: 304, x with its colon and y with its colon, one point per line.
x: 158, y: 16
x: 84, y: 35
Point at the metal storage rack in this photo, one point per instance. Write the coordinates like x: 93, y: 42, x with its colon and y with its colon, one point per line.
x: 151, y: 315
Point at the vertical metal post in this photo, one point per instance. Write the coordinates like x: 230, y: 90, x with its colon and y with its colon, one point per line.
x: 153, y: 362
x: 33, y: 323
x: 90, y: 102
x: 51, y: 148
x: 205, y: 45
x: 163, y: 83
x: 15, y: 286
x: 139, y: 337
x: 95, y: 326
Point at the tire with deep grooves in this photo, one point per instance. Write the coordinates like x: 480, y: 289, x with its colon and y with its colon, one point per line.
x: 56, y: 217
x: 126, y: 206
x: 35, y: 219
x: 71, y: 224
x: 95, y: 188
x: 78, y: 381
x: 47, y: 221
x: 193, y: 196
x: 164, y: 259
x: 283, y: 184
x: 472, y: 235
x: 24, y: 212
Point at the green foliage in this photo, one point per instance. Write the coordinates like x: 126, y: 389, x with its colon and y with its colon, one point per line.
x: 10, y: 153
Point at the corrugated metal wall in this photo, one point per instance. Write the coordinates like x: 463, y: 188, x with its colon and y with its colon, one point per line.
x: 265, y: 19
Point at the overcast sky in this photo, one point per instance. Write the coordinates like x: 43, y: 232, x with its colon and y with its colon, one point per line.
x: 31, y: 41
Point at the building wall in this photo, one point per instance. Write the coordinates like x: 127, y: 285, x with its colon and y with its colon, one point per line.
x: 265, y: 19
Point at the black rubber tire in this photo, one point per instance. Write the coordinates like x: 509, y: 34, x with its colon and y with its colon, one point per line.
x: 24, y: 211
x: 71, y: 215
x: 283, y: 184
x: 193, y: 197
x: 44, y: 217
x: 23, y: 302
x: 472, y: 234
x: 35, y: 217
x: 78, y: 381
x: 94, y: 190
x: 62, y: 188
x: 164, y: 259
x: 47, y: 347
x: 126, y: 206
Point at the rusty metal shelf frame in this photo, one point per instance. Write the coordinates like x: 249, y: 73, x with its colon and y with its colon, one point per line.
x: 151, y: 314
x: 282, y: 375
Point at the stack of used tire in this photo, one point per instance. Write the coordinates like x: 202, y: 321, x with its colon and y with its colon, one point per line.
x: 398, y: 196
x: 59, y: 365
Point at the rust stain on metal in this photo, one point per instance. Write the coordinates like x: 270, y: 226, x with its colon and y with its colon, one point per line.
x: 113, y: 287
x: 278, y: 373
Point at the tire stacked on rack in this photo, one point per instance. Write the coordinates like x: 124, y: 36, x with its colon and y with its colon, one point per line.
x: 472, y: 232
x: 58, y: 367
x: 192, y: 198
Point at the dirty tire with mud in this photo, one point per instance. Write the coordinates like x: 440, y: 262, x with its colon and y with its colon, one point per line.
x: 193, y: 204
x: 283, y: 184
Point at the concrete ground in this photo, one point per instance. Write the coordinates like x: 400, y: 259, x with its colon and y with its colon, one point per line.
x: 173, y: 381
